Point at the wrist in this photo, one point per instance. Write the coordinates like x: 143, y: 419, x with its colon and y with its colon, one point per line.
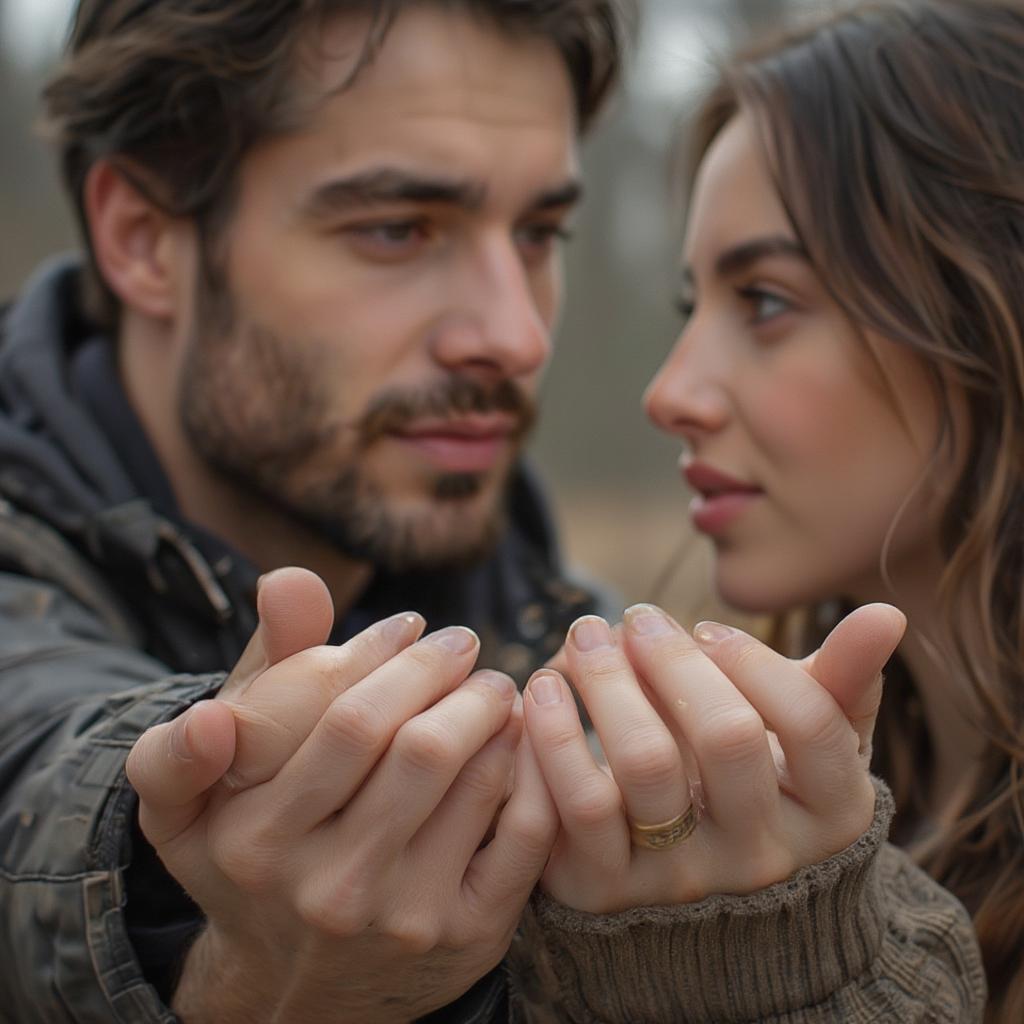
x: 217, y: 987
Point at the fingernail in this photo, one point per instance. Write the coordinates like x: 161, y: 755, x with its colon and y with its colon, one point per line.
x: 711, y: 632
x: 590, y: 634
x: 545, y: 689
x: 498, y: 681
x: 647, y: 620
x: 456, y: 639
x: 181, y: 745
x: 402, y: 627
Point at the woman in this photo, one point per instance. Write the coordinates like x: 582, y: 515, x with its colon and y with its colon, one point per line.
x: 849, y: 388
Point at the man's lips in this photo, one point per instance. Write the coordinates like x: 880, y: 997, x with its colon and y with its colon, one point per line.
x: 468, y: 444
x: 720, y: 499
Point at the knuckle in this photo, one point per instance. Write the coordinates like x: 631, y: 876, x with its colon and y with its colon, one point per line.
x: 649, y: 760
x: 429, y: 659
x: 355, y: 724
x: 425, y: 744
x: 337, y: 907
x: 592, y: 805
x: 675, y: 650
x: 330, y: 669
x: 371, y: 644
x: 533, y: 833
x: 495, y: 689
x: 601, y: 668
x: 746, y: 653
x: 263, y: 734
x: 819, y: 724
x: 559, y: 736
x: 416, y: 934
x: 252, y: 866
x: 484, y: 779
x: 321, y: 669
x: 733, y: 734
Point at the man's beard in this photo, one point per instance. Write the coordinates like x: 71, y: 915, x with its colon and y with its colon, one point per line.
x: 256, y: 408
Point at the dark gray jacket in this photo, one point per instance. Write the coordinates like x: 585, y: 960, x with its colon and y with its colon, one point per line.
x: 116, y: 615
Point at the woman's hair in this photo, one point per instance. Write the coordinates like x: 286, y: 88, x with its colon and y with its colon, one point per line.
x: 180, y: 90
x: 895, y: 135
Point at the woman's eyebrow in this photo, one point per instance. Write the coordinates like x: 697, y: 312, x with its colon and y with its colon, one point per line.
x: 742, y: 256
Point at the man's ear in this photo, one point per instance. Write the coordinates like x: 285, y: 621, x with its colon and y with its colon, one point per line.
x: 135, y: 242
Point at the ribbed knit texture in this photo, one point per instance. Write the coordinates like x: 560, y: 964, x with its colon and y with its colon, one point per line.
x: 863, y: 936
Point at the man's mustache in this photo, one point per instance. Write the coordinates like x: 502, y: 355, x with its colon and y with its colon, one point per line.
x: 394, y: 411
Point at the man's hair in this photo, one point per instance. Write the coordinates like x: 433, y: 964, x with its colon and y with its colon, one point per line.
x: 178, y: 91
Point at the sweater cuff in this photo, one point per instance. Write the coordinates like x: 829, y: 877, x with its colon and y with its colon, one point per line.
x: 726, y: 957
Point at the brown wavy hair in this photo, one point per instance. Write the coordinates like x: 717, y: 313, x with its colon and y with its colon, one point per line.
x: 179, y: 90
x: 895, y: 134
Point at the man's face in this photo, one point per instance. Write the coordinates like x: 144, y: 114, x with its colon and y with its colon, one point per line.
x: 366, y: 349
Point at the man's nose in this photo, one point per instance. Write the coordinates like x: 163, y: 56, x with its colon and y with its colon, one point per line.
x: 497, y: 322
x: 688, y: 396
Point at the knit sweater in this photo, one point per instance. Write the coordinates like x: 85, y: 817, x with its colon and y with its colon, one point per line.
x: 863, y: 936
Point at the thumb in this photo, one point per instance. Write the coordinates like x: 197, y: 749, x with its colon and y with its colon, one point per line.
x: 296, y: 612
x: 849, y: 664
x: 173, y: 765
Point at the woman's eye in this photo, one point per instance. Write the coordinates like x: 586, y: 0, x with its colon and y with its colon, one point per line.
x: 764, y: 305
x: 685, y: 307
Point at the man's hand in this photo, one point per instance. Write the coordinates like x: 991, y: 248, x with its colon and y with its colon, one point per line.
x: 328, y: 812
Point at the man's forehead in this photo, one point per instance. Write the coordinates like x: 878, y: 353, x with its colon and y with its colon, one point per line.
x: 442, y: 62
x: 448, y: 104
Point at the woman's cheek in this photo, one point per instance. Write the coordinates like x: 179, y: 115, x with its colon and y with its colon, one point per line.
x: 809, y: 415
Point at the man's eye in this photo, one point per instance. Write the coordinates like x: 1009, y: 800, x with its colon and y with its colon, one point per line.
x: 536, y: 240
x: 391, y: 232
x: 389, y: 241
x: 764, y: 305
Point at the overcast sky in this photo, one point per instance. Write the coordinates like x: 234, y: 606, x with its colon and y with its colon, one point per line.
x: 33, y: 29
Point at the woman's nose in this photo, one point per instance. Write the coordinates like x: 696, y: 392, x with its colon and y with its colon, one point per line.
x: 687, y: 397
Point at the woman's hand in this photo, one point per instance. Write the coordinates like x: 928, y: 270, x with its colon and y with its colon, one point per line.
x: 773, y: 752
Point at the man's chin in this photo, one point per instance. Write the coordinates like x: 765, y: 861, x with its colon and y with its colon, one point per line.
x: 455, y: 531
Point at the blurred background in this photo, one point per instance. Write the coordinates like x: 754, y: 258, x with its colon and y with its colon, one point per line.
x: 616, y: 488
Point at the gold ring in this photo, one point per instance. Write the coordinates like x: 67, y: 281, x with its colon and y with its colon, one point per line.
x: 667, y: 833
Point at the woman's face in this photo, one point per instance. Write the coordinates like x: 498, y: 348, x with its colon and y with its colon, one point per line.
x: 806, y: 440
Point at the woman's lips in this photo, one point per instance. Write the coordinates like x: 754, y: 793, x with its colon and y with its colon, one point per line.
x: 720, y: 498
x: 473, y: 444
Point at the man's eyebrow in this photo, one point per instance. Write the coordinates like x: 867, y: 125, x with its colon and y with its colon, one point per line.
x: 739, y: 258
x: 390, y: 185
x: 568, y: 194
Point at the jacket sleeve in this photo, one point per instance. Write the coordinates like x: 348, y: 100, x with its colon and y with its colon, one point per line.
x: 72, y: 703
x: 864, y: 936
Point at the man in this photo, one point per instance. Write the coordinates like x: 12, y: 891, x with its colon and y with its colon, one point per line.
x: 321, y: 278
